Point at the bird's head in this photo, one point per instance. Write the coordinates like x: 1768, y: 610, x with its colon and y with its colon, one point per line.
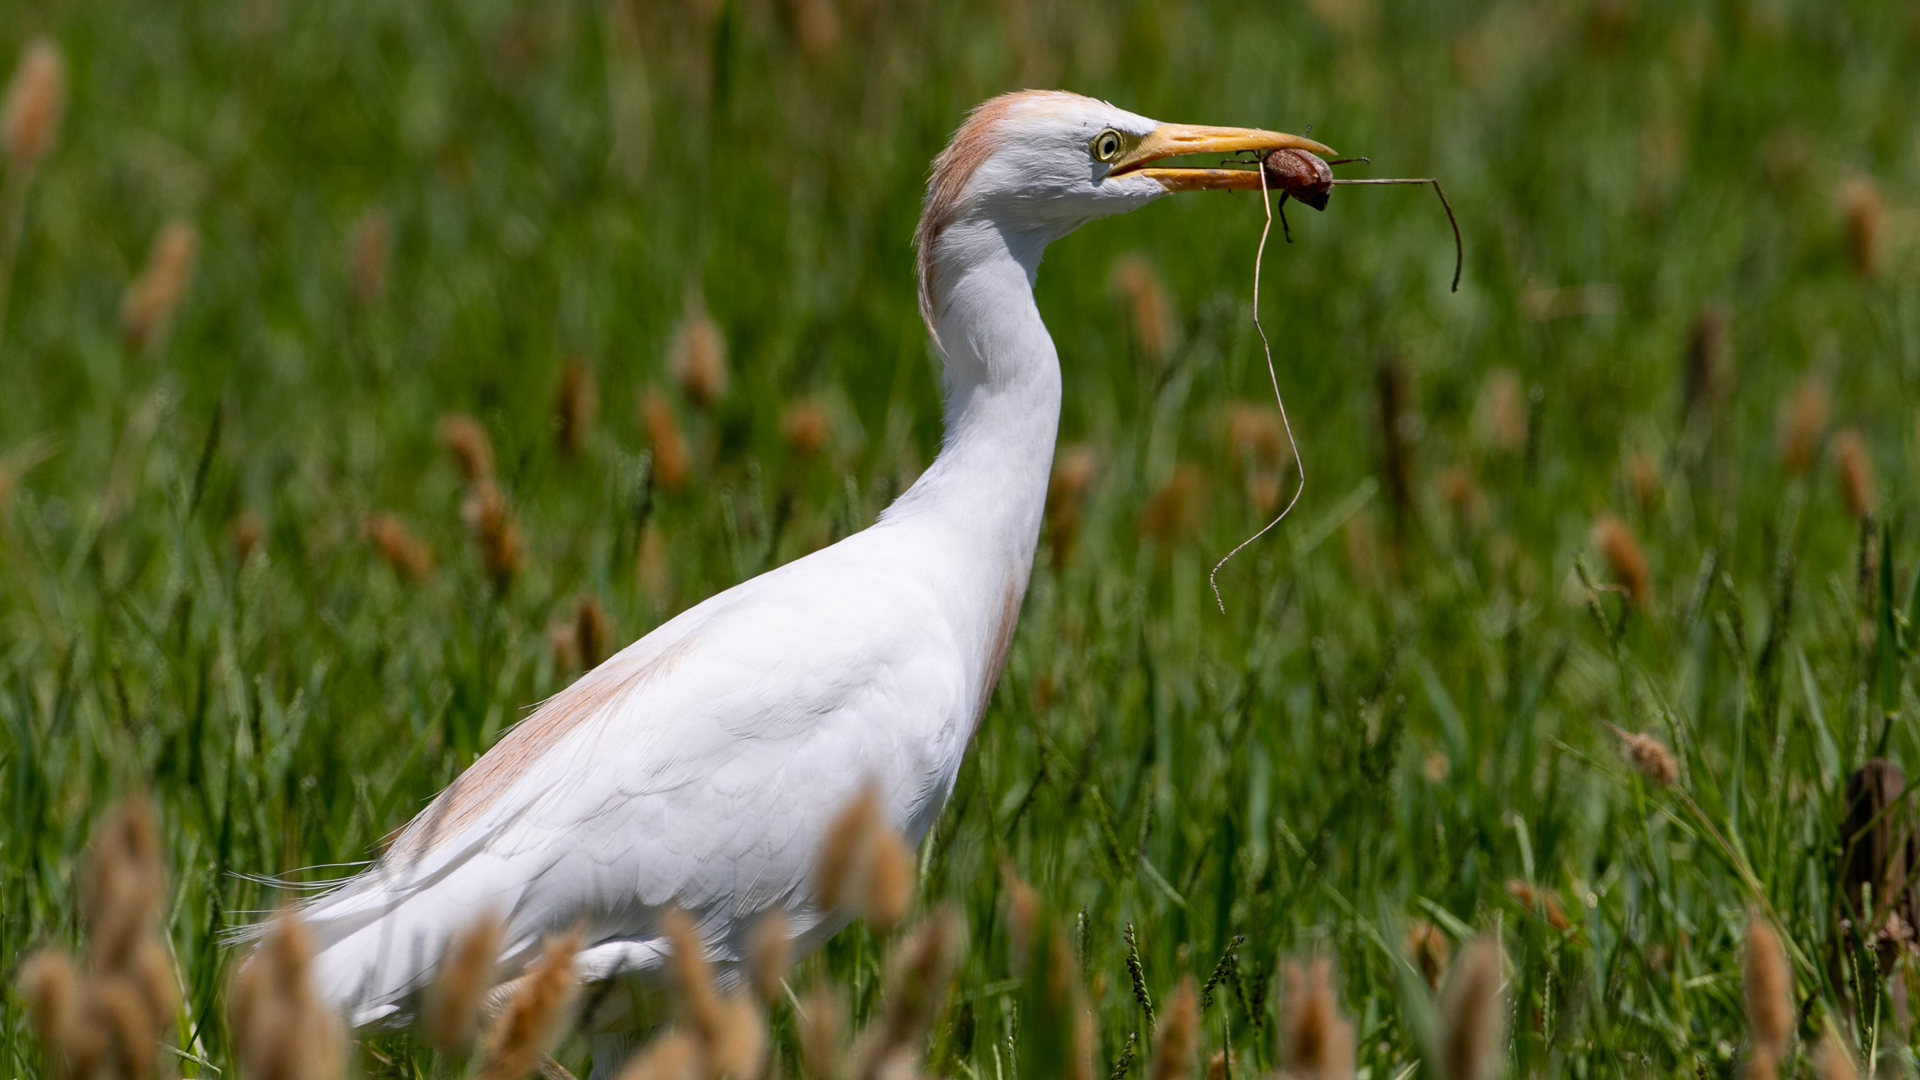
x: 1039, y: 164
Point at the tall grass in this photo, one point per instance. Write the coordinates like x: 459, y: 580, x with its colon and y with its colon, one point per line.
x: 1690, y: 253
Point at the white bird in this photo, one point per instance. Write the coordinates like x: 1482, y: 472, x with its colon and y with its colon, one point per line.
x: 700, y: 766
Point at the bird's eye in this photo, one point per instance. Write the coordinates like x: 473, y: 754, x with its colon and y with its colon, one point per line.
x: 1107, y: 145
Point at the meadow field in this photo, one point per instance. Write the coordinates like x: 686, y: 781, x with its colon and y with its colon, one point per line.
x: 1650, y: 470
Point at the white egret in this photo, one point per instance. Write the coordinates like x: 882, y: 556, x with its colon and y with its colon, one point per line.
x: 700, y: 766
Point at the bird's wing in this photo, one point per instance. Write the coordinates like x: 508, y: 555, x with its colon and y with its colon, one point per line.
x: 698, y: 768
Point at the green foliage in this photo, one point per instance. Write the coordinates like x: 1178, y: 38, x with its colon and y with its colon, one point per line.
x: 1364, y: 738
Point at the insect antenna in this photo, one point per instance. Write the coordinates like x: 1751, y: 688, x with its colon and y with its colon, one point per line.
x: 1459, y: 248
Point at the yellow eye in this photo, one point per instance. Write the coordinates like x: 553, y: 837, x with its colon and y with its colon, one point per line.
x: 1108, y: 144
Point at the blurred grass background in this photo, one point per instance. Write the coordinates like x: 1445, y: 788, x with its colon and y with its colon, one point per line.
x: 1689, y: 235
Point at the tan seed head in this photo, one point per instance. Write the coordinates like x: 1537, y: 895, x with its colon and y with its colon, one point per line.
x: 472, y: 450
x: 672, y: 465
x: 452, y: 1014
x: 1319, y: 1041
x: 592, y: 631
x: 408, y: 557
x: 806, y: 427
x: 698, y: 357
x: 770, y: 953
x: 1625, y: 559
x: 36, y: 96
x: 890, y: 880
x: 1855, y: 466
x: 574, y: 408
x: 846, y: 852
x: 1179, y: 1044
x: 1866, y: 214
x: 153, y: 296
x: 1471, y: 1013
x: 1503, y: 412
x: 536, y: 1011
x: 368, y: 244
x: 1139, y: 288
x: 1833, y: 1061
x: 1427, y: 947
x: 1649, y: 757
x: 1803, y: 425
x: 1769, y: 988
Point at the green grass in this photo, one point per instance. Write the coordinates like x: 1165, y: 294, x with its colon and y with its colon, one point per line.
x: 1350, y: 747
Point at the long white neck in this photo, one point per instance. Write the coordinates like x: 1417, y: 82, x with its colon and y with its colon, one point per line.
x: 988, y: 488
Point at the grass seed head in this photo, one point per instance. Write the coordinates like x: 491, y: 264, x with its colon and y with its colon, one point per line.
x: 1503, y: 412
x: 452, y: 1014
x: 592, y: 631
x: 1802, y: 426
x: 153, y: 296
x: 410, y: 558
x: 281, y: 1028
x: 652, y: 568
x: 770, y: 953
x: 244, y: 534
x: 1709, y: 366
x: 1074, y: 473
x: 368, y: 245
x: 1023, y: 911
x: 806, y: 427
x: 535, y: 1014
x: 1760, y: 1065
x: 1768, y: 982
x: 1855, y: 465
x: 1175, y: 510
x: 1545, y: 901
x: 1256, y: 436
x: 472, y: 450
x: 823, y: 1033
x: 51, y: 990
x: 125, y: 885
x: 846, y: 853
x: 1471, y: 1011
x: 1643, y: 476
x: 890, y: 880
x: 1427, y: 947
x: 36, y: 96
x: 916, y: 989
x: 673, y: 1056
x: 496, y: 532
x: 672, y: 464
x: 1649, y: 757
x: 127, y: 1031
x: 1139, y: 288
x: 574, y: 408
x: 698, y: 358
x: 1179, y: 1043
x: 1319, y: 1041
x: 1625, y: 559
x: 1833, y: 1061
x: 1866, y: 214
x: 152, y: 977
x: 696, y: 996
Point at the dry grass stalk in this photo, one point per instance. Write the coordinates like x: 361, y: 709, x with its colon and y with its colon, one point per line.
x: 410, y: 558
x: 1643, y: 476
x: 1833, y: 1061
x: 1503, y: 412
x: 823, y: 1033
x: 1179, y: 1043
x: 1074, y: 472
x: 916, y: 989
x: 245, y: 533
x: 1855, y: 465
x: 1175, y: 510
x: 698, y: 356
x: 535, y: 1014
x: 1427, y: 947
x: 1471, y: 1011
x: 806, y: 427
x: 1768, y: 982
x: 1802, y: 426
x: 574, y: 409
x: 281, y: 1028
x: 672, y: 464
x: 1544, y: 901
x: 673, y: 1056
x: 1709, y: 368
x: 1649, y: 757
x: 1625, y: 559
x: 592, y: 631
x: 369, y: 243
x: 36, y: 96
x: 769, y: 954
x: 452, y: 1013
x: 472, y: 450
x: 1866, y: 214
x: 1140, y: 289
x: 153, y: 296
x: 1319, y: 1041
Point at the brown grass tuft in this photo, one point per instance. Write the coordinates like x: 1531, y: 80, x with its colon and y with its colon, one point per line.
x: 769, y: 953
x: 1503, y: 412
x: 672, y: 465
x: 452, y: 1014
x: 1866, y: 214
x: 1649, y: 757
x: 1173, y: 1055
x: 36, y: 96
x: 1319, y: 1041
x: 698, y: 356
x: 1544, y: 901
x: 153, y: 296
x: 535, y: 1014
x: 1802, y: 426
x: 408, y: 557
x: 592, y: 631
x: 574, y: 408
x: 806, y: 427
x: 281, y: 1029
x: 368, y: 245
x: 1471, y: 1013
x: 1769, y: 988
x: 1855, y: 465
x: 1625, y: 559
x: 1175, y: 510
x: 1138, y: 287
x: 1427, y: 947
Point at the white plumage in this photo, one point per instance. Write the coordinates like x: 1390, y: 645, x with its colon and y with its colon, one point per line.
x: 700, y: 766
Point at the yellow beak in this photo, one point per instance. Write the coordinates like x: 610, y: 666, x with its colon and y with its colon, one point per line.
x: 1177, y: 140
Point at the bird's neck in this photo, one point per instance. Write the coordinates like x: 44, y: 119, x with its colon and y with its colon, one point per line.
x: 988, y: 487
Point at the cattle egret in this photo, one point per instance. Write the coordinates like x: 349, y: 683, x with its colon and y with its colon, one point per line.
x: 700, y: 766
